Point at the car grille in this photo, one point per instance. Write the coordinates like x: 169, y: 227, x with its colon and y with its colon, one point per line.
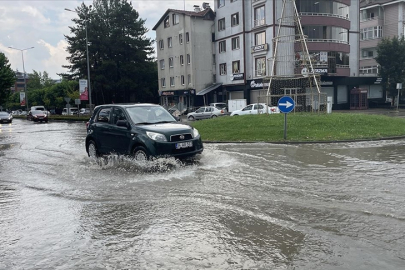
x: 180, y: 137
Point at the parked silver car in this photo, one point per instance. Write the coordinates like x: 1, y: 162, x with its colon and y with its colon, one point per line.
x: 204, y: 113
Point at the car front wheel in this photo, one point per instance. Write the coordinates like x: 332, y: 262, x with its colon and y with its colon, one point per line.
x: 140, y: 154
x: 191, y: 118
x: 92, y: 149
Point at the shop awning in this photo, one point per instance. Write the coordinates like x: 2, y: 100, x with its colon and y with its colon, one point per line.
x: 209, y: 89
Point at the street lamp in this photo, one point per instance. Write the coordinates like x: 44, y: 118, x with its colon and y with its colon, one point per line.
x: 87, y: 53
x: 25, y: 80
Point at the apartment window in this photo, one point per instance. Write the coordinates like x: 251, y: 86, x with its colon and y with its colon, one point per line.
x: 259, y: 16
x: 161, y: 44
x: 221, y: 3
x: 260, y: 64
x: 222, y: 46
x: 181, y: 38
x: 182, y: 79
x: 188, y: 59
x: 181, y: 60
x: 235, y: 19
x: 371, y: 33
x: 235, y: 66
x: 162, y: 64
x: 171, y: 62
x: 163, y: 82
x: 221, y: 24
x: 171, y: 81
x: 189, y: 79
x: 176, y: 19
x: 187, y: 37
x: 222, y: 69
x: 260, y: 38
x: 235, y: 43
x: 367, y: 53
x: 167, y: 22
x: 233, y: 1
x: 169, y: 42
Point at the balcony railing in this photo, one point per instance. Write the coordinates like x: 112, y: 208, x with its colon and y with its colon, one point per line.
x: 328, y: 40
x: 324, y: 15
x: 259, y: 22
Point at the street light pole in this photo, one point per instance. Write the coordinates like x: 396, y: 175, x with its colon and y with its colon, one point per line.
x: 25, y: 79
x: 87, y: 54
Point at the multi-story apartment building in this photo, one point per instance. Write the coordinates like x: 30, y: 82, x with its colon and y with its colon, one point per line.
x: 184, y: 55
x: 19, y: 85
x: 244, y: 35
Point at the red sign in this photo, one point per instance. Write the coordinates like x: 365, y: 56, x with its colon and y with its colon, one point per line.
x: 85, y: 94
x: 22, y: 102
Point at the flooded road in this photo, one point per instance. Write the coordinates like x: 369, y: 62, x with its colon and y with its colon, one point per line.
x: 242, y: 206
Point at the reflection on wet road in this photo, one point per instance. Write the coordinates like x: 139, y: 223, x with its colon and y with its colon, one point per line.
x: 241, y: 206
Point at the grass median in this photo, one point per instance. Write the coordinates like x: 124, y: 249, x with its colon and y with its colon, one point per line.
x: 301, y: 127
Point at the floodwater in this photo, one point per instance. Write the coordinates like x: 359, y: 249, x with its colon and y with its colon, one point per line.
x: 241, y: 206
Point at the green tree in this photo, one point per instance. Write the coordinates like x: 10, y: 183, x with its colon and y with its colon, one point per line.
x: 122, y: 69
x: 36, y: 80
x: 391, y: 58
x: 7, y: 78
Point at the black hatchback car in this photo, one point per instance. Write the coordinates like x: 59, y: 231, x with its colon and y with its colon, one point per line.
x: 144, y: 131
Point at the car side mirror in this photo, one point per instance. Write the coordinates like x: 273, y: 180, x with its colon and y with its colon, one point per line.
x: 123, y: 123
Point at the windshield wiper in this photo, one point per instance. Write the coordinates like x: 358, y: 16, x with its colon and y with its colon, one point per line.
x: 162, y: 122
x: 144, y: 123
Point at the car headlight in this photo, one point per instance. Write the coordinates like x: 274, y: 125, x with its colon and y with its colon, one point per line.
x: 195, y: 133
x: 156, y: 136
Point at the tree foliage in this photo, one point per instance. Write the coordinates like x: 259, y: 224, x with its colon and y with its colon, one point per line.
x: 391, y: 58
x: 121, y: 69
x: 7, y: 78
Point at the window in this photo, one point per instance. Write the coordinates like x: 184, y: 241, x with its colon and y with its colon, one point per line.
x: 171, y: 81
x: 162, y: 64
x: 260, y: 38
x: 188, y: 59
x: 169, y: 42
x: 167, y: 22
x: 371, y: 33
x: 176, y: 19
x: 233, y: 1
x: 182, y: 79
x: 187, y: 37
x: 235, y: 66
x: 235, y: 19
x: 260, y: 66
x: 221, y: 24
x: 118, y: 114
x: 181, y: 38
x: 259, y: 16
x: 367, y: 53
x: 181, y: 60
x: 161, y: 44
x: 163, y: 82
x: 104, y: 115
x: 235, y: 43
x: 171, y: 62
x: 222, y: 46
x: 221, y: 3
x: 222, y: 69
x: 189, y: 79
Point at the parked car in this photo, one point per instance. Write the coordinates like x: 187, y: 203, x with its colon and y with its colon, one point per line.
x: 70, y: 111
x: 6, y: 117
x: 145, y: 131
x: 220, y: 106
x: 84, y: 111
x: 204, y: 113
x: 255, y: 109
x: 37, y: 116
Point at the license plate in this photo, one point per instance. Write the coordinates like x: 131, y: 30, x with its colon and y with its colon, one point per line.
x: 184, y: 145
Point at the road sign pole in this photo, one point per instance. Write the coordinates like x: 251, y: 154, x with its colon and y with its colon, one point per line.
x: 285, y: 126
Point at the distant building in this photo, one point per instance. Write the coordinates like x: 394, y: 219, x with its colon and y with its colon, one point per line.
x: 20, y: 82
x: 184, y: 41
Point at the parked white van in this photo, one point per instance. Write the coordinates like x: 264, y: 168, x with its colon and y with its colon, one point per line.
x: 70, y: 111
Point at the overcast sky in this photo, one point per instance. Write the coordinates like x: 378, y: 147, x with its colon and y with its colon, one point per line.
x: 43, y: 24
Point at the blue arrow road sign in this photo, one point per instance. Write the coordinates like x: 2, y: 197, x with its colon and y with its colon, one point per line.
x: 286, y: 104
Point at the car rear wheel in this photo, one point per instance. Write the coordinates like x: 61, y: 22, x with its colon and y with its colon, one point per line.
x: 140, y: 154
x: 191, y: 118
x: 92, y: 149
x: 213, y: 116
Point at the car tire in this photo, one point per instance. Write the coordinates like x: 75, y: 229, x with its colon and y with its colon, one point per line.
x: 191, y: 118
x: 213, y: 116
x: 140, y: 154
x: 92, y: 149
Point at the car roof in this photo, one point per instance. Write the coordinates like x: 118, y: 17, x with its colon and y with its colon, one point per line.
x: 127, y: 105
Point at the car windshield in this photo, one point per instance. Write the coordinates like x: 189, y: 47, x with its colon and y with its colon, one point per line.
x: 4, y: 113
x: 149, y: 115
x: 37, y: 112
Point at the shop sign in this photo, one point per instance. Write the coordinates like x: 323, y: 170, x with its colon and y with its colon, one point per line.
x: 378, y: 80
x: 258, y: 84
x: 167, y: 93
x: 237, y: 76
x: 259, y: 48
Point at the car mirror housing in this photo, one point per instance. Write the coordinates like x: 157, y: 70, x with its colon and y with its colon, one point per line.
x: 123, y: 123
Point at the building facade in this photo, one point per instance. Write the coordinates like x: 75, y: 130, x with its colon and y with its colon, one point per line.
x: 184, y: 56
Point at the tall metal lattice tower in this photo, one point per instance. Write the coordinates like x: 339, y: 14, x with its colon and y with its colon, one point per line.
x: 291, y: 71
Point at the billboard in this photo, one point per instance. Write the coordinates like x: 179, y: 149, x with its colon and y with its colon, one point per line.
x: 22, y: 98
x: 84, y: 93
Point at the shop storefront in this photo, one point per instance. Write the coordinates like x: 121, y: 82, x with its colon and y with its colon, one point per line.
x: 181, y: 100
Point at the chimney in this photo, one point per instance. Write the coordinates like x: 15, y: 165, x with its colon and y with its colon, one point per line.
x: 197, y: 8
x: 205, y: 5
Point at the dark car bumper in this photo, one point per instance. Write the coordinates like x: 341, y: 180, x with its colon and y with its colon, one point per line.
x: 164, y: 149
x: 5, y: 121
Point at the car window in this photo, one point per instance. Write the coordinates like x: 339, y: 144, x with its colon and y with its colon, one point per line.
x: 200, y: 110
x: 118, y: 114
x: 260, y: 106
x: 209, y: 109
x: 247, y: 108
x: 104, y: 115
